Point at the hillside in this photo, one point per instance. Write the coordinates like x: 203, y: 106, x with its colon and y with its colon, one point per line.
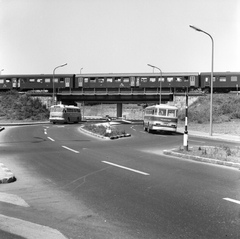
x: 14, y: 106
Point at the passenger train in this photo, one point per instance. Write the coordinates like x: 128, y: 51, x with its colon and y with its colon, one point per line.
x: 223, y: 82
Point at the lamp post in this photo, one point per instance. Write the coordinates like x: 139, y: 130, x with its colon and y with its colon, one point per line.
x: 53, y: 101
x: 211, y: 94
x: 1, y: 71
x: 160, y: 93
x: 81, y: 71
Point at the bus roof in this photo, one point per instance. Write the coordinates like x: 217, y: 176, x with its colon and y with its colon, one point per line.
x: 65, y: 106
x: 162, y: 106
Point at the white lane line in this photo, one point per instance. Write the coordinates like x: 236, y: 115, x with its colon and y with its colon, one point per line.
x: 232, y: 200
x: 51, y: 139
x: 130, y: 169
x: 45, y: 131
x: 77, y: 152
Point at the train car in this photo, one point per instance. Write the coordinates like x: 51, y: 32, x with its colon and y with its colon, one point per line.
x: 223, y: 82
x: 175, y: 82
x: 37, y: 82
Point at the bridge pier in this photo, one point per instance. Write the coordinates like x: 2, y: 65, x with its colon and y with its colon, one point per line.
x: 119, y: 110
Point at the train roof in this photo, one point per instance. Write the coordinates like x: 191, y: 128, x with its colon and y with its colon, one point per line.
x: 137, y: 74
x: 162, y: 106
x: 36, y: 75
x: 221, y: 73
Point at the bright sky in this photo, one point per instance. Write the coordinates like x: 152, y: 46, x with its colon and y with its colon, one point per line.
x: 118, y: 36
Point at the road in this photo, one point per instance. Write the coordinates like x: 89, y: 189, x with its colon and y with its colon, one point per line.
x: 87, y: 187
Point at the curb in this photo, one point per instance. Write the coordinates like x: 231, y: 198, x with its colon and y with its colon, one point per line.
x: 8, y: 175
x: 201, y: 159
x: 103, y: 137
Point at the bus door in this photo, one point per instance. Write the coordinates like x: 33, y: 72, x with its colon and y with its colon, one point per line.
x: 132, y: 81
x: 67, y: 82
x: 80, y: 82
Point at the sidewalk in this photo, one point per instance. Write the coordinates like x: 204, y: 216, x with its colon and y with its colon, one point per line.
x: 221, y: 137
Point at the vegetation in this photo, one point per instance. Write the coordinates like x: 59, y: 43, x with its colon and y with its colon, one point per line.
x: 104, y: 130
x: 225, y: 108
x: 15, y: 106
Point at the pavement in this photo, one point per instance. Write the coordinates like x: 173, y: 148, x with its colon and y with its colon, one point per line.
x: 7, y: 176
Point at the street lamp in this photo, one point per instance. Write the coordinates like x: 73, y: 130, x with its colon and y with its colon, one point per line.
x: 160, y: 94
x: 211, y: 94
x: 1, y: 71
x: 53, y: 80
x: 81, y: 71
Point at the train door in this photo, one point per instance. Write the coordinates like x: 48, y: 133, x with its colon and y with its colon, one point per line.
x: 80, y: 82
x: 132, y: 81
x: 192, y: 81
x: 137, y: 81
x: 14, y: 83
x: 67, y: 82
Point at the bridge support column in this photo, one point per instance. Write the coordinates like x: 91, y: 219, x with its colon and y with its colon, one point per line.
x: 119, y: 109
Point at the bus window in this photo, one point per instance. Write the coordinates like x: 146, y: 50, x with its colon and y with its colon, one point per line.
x: 162, y: 112
x: 171, y: 113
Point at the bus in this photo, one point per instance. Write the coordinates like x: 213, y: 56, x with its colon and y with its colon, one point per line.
x: 160, y: 118
x: 65, y: 114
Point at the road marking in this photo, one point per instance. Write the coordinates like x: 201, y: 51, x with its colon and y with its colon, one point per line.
x: 45, y: 131
x: 51, y: 139
x: 77, y: 152
x: 130, y: 169
x: 232, y: 200
x: 13, y: 199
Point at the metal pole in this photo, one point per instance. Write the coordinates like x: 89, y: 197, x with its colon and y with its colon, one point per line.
x: 81, y: 71
x: 211, y: 94
x: 53, y: 95
x: 1, y: 71
x: 160, y: 91
x: 185, y: 136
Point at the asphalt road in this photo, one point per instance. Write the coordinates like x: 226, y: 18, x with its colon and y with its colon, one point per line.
x: 87, y: 187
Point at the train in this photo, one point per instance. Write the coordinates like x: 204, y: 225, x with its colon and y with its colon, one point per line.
x: 223, y: 82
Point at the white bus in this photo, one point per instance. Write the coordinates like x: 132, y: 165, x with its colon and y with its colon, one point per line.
x: 160, y: 118
x: 65, y: 114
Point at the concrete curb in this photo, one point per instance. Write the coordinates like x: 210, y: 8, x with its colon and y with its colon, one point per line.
x: 202, y: 159
x: 103, y: 137
x: 8, y: 176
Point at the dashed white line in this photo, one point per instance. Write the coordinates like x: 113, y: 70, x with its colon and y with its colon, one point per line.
x: 77, y: 152
x: 232, y: 200
x: 51, y: 139
x: 130, y: 169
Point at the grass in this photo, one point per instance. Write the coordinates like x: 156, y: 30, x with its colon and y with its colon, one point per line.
x: 220, y: 152
x: 105, y: 131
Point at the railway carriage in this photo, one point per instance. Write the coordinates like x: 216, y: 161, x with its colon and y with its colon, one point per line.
x: 36, y: 82
x: 223, y: 82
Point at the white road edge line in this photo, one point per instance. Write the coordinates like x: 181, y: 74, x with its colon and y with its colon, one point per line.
x: 130, y: 169
x: 232, y: 200
x: 51, y: 139
x: 77, y: 152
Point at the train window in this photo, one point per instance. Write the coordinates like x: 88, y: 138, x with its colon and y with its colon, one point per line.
x: 125, y: 79
x: 222, y: 78
x: 170, y: 79
x: 185, y: 78
x: 179, y: 79
x: 1, y: 81
x: 39, y: 80
x: 144, y: 79
x: 100, y: 80
x: 86, y: 80
x: 161, y: 79
x: 93, y: 80
x: 55, y: 80
x: 233, y: 78
x: 117, y: 80
x: 47, y: 80
x: 152, y: 79
x: 8, y: 80
x: 31, y: 80
x: 109, y: 79
x: 61, y: 80
x: 206, y: 79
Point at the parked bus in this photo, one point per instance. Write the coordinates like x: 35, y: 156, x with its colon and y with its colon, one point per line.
x: 160, y: 118
x: 65, y: 114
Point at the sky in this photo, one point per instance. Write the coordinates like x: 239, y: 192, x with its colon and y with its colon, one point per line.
x: 118, y: 36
